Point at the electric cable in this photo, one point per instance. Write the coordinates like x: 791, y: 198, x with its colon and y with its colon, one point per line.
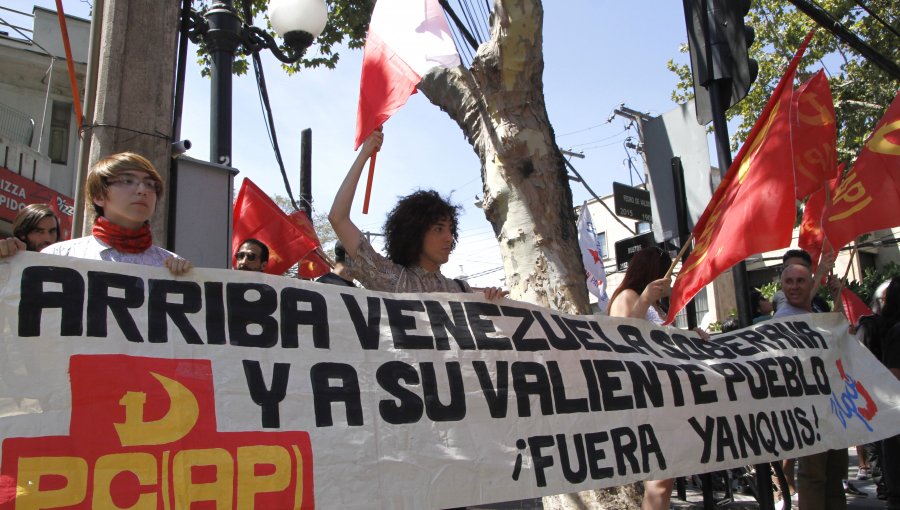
x: 473, y: 26
x: 877, y: 17
x: 590, y: 128
x: 268, y: 117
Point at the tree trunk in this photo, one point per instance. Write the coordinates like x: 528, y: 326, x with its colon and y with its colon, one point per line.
x: 499, y: 104
x: 135, y: 89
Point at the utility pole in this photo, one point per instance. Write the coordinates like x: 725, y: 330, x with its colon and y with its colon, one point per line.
x: 135, y: 89
x: 306, y: 172
x: 723, y: 72
x: 828, y: 22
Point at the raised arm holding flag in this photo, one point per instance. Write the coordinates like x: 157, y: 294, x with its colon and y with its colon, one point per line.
x: 405, y: 40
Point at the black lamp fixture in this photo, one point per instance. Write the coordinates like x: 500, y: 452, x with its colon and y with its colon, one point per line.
x: 298, y: 22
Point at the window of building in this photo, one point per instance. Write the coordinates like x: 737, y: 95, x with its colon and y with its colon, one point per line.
x: 601, y: 243
x: 59, y: 132
x: 702, y: 304
x: 642, y: 227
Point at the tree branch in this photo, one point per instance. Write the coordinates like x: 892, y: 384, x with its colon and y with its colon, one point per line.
x: 455, y: 92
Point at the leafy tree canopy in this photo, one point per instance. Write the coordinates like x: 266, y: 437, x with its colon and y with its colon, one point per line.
x: 348, y: 21
x: 861, y: 90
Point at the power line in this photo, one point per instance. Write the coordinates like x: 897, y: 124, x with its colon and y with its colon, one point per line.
x: 473, y: 43
x: 482, y: 273
x: 268, y: 117
x: 590, y: 128
x: 473, y: 25
x: 485, y: 11
x: 877, y: 17
x: 600, y: 146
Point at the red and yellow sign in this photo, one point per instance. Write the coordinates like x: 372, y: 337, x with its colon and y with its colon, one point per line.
x: 143, y: 436
x: 17, y: 191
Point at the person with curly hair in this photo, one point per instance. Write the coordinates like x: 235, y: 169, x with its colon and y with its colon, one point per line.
x: 421, y: 232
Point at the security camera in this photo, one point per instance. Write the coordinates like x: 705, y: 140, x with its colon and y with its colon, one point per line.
x: 180, y: 147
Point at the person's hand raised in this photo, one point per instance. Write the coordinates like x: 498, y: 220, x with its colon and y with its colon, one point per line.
x: 372, y: 144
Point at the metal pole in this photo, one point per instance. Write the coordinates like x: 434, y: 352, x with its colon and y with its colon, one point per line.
x: 178, y: 108
x: 306, y: 171
x: 222, y: 40
x: 684, y: 233
x: 765, y: 495
x: 723, y: 149
x: 709, y: 499
x: 827, y: 21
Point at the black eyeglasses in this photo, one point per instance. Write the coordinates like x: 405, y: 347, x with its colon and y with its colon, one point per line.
x: 249, y: 255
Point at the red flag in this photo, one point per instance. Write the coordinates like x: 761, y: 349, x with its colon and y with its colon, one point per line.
x: 302, y: 221
x: 406, y: 39
x: 813, y: 135
x: 753, y: 210
x: 313, y: 265
x: 257, y: 216
x: 812, y: 236
x: 867, y: 198
x: 854, y: 308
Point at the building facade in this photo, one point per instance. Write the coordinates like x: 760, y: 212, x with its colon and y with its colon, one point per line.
x: 38, y: 124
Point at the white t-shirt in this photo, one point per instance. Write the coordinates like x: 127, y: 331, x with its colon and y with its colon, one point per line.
x: 89, y: 247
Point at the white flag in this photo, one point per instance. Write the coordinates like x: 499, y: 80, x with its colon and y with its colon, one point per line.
x: 405, y: 40
x: 591, y: 254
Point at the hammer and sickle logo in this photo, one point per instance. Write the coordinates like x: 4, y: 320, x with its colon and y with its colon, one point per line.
x: 880, y: 142
x: 175, y: 424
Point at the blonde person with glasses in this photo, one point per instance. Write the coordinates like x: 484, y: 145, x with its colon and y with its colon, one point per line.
x: 124, y: 190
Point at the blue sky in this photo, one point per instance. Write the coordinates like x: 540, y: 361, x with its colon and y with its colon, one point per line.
x: 597, y: 54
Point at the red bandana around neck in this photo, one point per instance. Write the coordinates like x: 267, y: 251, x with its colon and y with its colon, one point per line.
x: 123, y: 239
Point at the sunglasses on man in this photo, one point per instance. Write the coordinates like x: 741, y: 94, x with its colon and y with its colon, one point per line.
x: 249, y: 255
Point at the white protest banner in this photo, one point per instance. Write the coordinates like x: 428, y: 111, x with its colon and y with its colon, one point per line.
x: 122, y: 385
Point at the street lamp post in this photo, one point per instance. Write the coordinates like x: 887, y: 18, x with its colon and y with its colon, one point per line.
x: 298, y: 22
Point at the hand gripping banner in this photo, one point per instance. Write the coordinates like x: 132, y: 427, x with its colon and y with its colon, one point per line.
x: 124, y: 387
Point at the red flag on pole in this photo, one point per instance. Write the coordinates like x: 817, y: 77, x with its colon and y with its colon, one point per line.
x: 406, y: 39
x: 813, y: 135
x: 753, y: 210
x: 313, y: 265
x: 867, y: 198
x: 812, y: 237
x: 854, y: 308
x: 257, y: 216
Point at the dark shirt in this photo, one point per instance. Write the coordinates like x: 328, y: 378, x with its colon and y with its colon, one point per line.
x: 872, y: 333
x: 890, y: 348
x: 333, y: 279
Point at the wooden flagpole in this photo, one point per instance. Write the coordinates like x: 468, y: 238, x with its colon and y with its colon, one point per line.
x: 369, y: 183
x: 850, y: 262
x: 371, y: 176
x: 677, y: 258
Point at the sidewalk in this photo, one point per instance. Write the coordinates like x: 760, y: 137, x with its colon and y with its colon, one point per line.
x: 741, y: 501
